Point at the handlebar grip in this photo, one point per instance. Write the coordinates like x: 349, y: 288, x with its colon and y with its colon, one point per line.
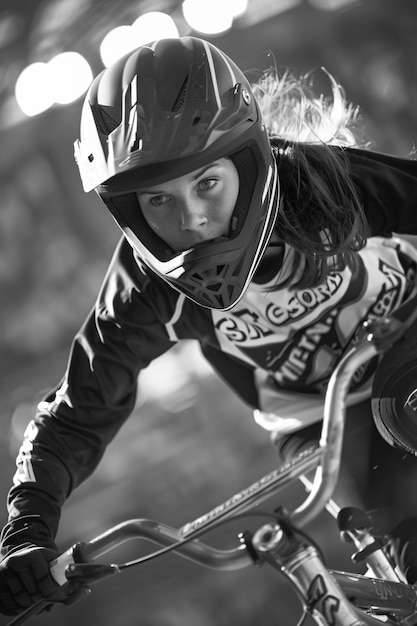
x: 59, y: 565
x: 78, y: 553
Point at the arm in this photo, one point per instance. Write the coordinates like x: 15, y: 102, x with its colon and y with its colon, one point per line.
x: 74, y: 424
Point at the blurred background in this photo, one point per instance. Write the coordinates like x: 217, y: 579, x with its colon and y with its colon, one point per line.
x: 189, y: 444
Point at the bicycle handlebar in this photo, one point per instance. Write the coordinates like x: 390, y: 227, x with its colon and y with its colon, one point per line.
x: 376, y: 337
x: 166, y: 536
x: 192, y: 549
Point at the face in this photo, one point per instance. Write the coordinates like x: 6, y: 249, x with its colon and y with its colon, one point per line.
x: 193, y: 208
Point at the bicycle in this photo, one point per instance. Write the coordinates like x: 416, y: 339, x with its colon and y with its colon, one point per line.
x: 331, y: 597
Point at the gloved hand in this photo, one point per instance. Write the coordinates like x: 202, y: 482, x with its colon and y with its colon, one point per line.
x: 25, y: 579
x: 288, y: 446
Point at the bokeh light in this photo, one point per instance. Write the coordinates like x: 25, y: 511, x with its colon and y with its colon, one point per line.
x: 238, y: 7
x: 147, y: 27
x: 70, y: 75
x: 154, y: 25
x: 33, y: 89
x: 64, y: 79
x: 210, y: 18
x: 116, y: 43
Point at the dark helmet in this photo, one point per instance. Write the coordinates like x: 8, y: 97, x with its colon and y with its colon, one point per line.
x: 162, y: 111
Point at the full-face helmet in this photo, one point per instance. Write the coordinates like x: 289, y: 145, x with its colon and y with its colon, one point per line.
x: 162, y: 111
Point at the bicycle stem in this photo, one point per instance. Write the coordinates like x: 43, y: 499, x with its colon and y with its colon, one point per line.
x: 298, y: 559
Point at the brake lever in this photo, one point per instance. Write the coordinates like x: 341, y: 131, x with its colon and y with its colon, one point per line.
x: 90, y: 572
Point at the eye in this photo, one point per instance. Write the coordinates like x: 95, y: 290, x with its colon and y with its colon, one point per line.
x: 159, y: 200
x: 207, y: 183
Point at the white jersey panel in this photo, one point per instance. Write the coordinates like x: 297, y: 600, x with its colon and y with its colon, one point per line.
x: 294, y: 338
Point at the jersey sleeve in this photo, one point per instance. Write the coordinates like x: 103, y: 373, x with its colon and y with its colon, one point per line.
x: 76, y: 421
x: 387, y: 187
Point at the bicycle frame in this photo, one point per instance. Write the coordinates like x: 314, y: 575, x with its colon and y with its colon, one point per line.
x: 333, y: 598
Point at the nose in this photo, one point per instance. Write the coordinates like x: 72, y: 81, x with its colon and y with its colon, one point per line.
x: 193, y: 215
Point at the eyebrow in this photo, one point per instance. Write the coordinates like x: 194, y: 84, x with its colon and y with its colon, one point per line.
x: 196, y: 175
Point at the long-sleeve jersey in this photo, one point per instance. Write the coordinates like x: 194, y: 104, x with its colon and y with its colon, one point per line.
x: 276, y: 348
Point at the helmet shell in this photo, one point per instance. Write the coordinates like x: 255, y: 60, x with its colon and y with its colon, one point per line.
x: 162, y: 111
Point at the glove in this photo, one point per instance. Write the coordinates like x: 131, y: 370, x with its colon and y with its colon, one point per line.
x: 25, y: 579
x: 288, y: 446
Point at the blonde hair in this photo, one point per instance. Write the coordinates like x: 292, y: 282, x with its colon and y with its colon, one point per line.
x: 292, y: 111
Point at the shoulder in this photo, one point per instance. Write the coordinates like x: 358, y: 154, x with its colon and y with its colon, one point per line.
x: 378, y: 163
x: 387, y: 187
x: 384, y: 171
x: 383, y: 178
x: 361, y: 161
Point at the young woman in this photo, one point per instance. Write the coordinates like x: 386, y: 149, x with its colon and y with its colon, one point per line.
x: 250, y: 225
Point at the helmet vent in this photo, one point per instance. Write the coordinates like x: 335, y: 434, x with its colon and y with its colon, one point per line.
x: 206, y: 279
x: 214, y: 286
x: 107, y: 123
x: 179, y: 102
